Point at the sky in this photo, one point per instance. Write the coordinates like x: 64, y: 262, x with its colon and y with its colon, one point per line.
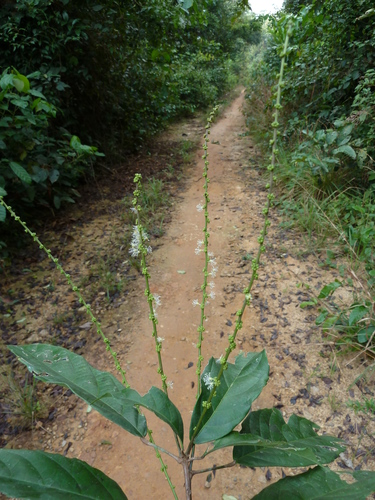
x: 265, y: 6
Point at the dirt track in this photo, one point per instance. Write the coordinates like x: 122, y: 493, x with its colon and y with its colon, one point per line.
x: 302, y: 379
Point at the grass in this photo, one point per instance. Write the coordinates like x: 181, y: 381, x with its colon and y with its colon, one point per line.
x: 367, y: 405
x: 20, y: 404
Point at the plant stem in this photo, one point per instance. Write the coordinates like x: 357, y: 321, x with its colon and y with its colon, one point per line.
x: 74, y: 288
x: 163, y: 466
x: 256, y: 261
x: 201, y: 327
x: 211, y: 469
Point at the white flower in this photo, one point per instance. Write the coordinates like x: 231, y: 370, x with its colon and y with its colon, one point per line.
x: 218, y: 361
x: 157, y: 300
x: 208, y: 381
x: 137, y: 240
x: 213, y: 265
x: 211, y: 285
x: 200, y: 207
x: 213, y: 271
x: 196, y: 302
x: 198, y: 250
x: 134, y: 210
x: 170, y: 384
x: 212, y: 295
x: 160, y: 339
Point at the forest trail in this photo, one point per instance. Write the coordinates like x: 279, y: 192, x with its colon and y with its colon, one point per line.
x: 302, y: 379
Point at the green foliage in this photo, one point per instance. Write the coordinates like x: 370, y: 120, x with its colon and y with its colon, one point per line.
x: 119, y: 70
x: 36, y: 474
x: 353, y: 326
x: 240, y: 385
x: 366, y: 405
x: 295, y: 444
x: 36, y: 167
x: 318, y: 483
x: 111, y: 73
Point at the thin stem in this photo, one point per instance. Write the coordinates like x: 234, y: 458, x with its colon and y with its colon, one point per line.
x: 201, y: 328
x: 139, y: 247
x: 211, y: 469
x: 159, y: 448
x: 74, y: 288
x: 163, y: 466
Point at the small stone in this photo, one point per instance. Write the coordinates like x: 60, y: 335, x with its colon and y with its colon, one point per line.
x: 34, y: 339
x: 86, y: 326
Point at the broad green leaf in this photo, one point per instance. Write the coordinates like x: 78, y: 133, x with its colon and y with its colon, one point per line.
x: 21, y: 83
x: 2, y: 192
x: 348, y: 150
x: 3, y: 213
x: 36, y: 474
x: 322, y: 317
x: 357, y: 313
x: 75, y: 142
x: 54, y: 175
x: 36, y: 93
x: 328, y: 289
x: 159, y: 403
x: 292, y: 444
x: 57, y: 365
x: 57, y: 201
x: 331, y: 137
x: 186, y: 4
x: 239, y: 386
x: 320, y: 483
x: 364, y: 334
x: 235, y: 439
x: 6, y: 80
x: 21, y: 102
x: 20, y: 172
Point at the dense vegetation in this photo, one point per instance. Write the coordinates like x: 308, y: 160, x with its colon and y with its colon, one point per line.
x: 107, y: 73
x: 327, y: 150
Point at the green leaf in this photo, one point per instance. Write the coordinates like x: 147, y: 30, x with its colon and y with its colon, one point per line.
x: 21, y: 102
x: 331, y: 137
x: 2, y: 192
x: 328, y: 289
x: 36, y: 93
x: 348, y: 150
x: 312, y: 302
x: 21, y: 83
x: 57, y: 201
x: 20, y: 172
x: 322, y: 317
x: 239, y: 386
x: 75, y: 142
x: 364, y: 334
x: 186, y: 4
x: 292, y: 444
x: 6, y: 80
x: 36, y: 474
x: 54, y: 175
x: 318, y: 484
x: 3, y: 213
x: 159, y: 403
x: 57, y: 365
x: 357, y: 313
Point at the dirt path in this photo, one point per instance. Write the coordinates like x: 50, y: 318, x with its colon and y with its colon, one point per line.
x: 303, y: 379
